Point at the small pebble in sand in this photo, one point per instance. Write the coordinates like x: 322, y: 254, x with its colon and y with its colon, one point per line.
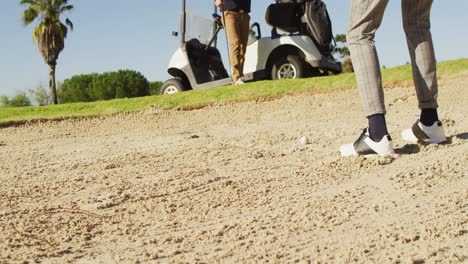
x: 304, y: 140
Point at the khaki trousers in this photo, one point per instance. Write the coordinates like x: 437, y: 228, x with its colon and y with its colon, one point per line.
x: 366, y: 17
x: 237, y: 30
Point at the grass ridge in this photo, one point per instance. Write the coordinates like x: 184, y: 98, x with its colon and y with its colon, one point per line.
x: 262, y: 90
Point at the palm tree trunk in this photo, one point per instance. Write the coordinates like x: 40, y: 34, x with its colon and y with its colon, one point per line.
x: 53, y: 90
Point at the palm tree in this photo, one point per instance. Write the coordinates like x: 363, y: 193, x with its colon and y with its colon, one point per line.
x: 50, y: 32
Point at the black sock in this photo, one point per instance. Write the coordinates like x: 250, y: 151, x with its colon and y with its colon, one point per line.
x: 429, y: 116
x: 377, y: 127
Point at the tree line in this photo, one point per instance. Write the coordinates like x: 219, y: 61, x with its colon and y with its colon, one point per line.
x: 106, y: 86
x: 88, y: 88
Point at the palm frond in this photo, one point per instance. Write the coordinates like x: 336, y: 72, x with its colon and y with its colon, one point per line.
x: 63, y: 30
x: 29, y: 15
x: 50, y: 33
x: 69, y: 23
x: 38, y: 31
x: 27, y: 2
x: 66, y: 8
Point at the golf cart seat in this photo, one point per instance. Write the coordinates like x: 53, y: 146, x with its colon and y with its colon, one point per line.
x: 302, y: 17
x: 284, y: 16
x: 206, y: 62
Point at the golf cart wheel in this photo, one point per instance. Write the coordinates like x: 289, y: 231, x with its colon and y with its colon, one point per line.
x: 172, y: 86
x: 290, y: 67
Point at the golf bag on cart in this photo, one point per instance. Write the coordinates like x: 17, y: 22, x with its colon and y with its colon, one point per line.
x: 307, y: 17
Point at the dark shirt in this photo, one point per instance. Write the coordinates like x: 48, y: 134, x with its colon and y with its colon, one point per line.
x: 237, y: 5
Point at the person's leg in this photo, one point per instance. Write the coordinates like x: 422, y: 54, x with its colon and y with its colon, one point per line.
x: 416, y: 22
x: 366, y: 17
x: 233, y: 32
x: 417, y: 25
x: 244, y: 24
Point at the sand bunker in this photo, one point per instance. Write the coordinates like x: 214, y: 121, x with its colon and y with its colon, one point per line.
x: 233, y: 183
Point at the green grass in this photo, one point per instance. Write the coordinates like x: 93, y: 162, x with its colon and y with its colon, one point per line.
x: 263, y: 90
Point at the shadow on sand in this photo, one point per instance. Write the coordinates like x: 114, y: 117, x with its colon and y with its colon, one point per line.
x: 416, y: 148
x: 408, y: 149
x: 462, y: 136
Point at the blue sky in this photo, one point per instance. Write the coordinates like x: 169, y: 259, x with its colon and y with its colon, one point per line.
x: 122, y: 34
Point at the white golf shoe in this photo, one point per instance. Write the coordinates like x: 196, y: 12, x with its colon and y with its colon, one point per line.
x: 240, y: 81
x: 434, y: 134
x: 365, y: 146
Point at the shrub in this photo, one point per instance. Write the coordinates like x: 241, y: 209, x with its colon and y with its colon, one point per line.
x: 40, y: 95
x: 19, y: 100
x: 348, y: 66
x: 154, y: 87
x: 105, y: 86
x: 4, y: 100
x: 76, y: 89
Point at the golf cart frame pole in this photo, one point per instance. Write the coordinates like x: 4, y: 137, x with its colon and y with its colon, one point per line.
x: 215, y: 40
x: 183, y: 26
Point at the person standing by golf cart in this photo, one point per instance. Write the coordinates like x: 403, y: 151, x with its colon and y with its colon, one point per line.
x: 236, y: 21
x: 366, y: 17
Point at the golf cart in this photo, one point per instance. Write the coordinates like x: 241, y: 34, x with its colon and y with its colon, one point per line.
x: 300, y: 52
